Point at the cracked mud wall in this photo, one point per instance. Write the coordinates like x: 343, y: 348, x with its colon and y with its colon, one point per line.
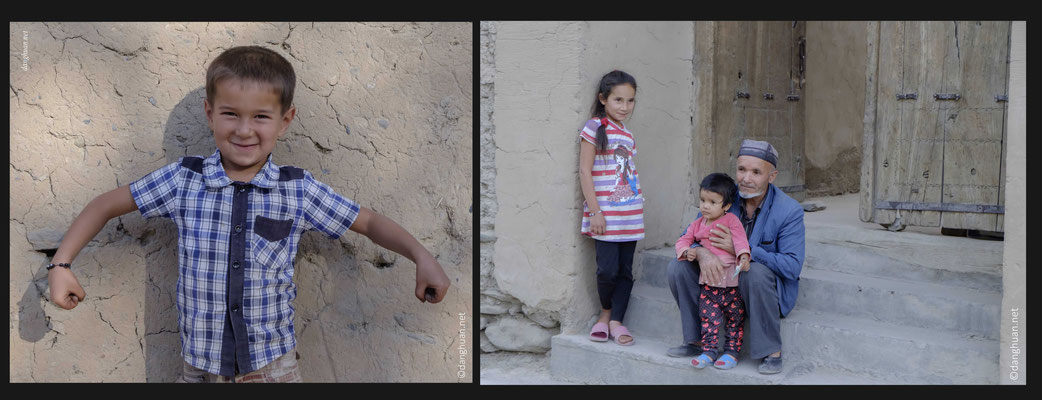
x: 384, y: 117
x: 542, y: 78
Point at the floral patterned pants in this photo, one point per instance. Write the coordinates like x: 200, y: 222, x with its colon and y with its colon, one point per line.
x: 721, y: 307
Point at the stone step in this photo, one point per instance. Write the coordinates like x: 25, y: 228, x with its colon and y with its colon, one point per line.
x: 890, y: 352
x: 649, y: 267
x: 576, y: 359
x: 915, y: 303
x: 879, y: 254
x: 855, y: 344
x: 923, y: 305
x: 651, y: 313
x: 910, y: 256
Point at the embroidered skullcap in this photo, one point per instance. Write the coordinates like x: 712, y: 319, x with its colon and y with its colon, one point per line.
x: 759, y: 149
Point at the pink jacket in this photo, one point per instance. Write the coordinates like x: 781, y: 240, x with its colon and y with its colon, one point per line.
x: 699, y: 231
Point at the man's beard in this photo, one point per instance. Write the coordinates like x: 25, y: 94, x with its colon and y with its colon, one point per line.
x: 749, y: 196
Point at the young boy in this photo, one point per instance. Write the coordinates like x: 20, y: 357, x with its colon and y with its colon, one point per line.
x: 239, y: 219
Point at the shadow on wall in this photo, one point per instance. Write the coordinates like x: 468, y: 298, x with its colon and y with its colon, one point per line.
x: 186, y: 133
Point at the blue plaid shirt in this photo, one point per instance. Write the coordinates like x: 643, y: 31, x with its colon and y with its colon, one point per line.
x: 236, y: 245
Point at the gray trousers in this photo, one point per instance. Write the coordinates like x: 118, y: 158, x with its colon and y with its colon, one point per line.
x: 282, y: 369
x: 759, y: 290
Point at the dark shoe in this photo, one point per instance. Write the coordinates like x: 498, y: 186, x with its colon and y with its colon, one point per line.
x: 684, y: 350
x: 771, y: 365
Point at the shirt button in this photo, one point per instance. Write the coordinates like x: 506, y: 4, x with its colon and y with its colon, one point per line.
x: 242, y: 189
x: 238, y: 228
x: 235, y: 308
x: 235, y: 265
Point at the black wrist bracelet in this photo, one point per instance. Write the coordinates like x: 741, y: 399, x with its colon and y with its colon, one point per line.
x: 66, y: 265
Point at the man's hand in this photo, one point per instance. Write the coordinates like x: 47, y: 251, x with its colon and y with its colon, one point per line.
x: 66, y: 291
x: 721, y: 238
x: 710, y: 265
x: 431, y: 281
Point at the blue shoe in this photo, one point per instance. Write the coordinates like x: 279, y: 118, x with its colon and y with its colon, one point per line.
x: 702, y: 361
x: 725, y: 361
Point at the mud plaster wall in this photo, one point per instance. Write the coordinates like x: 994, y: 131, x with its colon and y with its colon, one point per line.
x: 384, y: 117
x: 835, y: 95
x: 506, y: 322
x: 542, y: 272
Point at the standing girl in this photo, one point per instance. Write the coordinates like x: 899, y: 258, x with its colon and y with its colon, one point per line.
x: 613, y: 213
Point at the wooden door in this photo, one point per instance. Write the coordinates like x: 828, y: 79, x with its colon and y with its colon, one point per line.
x: 758, y: 72
x: 934, y: 147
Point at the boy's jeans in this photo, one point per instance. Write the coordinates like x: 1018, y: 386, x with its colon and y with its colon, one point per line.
x: 283, y: 369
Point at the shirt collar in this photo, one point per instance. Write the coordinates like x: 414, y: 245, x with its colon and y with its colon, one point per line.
x: 215, y: 177
x: 767, y: 199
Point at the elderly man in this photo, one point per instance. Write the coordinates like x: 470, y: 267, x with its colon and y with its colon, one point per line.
x: 773, y: 223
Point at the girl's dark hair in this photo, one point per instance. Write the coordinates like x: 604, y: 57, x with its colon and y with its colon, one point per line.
x: 608, y: 82
x: 721, y: 184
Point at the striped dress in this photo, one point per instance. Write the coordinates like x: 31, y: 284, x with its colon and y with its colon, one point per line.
x: 616, y: 184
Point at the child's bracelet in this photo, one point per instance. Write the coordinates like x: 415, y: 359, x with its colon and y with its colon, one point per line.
x: 595, y: 213
x: 65, y: 265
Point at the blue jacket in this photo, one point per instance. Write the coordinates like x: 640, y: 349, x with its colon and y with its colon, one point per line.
x: 777, y: 241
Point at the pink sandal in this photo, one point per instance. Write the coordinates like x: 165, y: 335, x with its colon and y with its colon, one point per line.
x: 622, y: 331
x: 599, y: 333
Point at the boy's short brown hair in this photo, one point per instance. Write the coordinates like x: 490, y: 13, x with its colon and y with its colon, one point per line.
x: 253, y: 63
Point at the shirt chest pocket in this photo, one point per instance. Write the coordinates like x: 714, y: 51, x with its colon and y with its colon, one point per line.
x: 270, y: 247
x: 769, y: 243
x: 272, y: 229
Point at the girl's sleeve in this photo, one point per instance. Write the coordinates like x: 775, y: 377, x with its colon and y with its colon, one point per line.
x: 589, y: 131
x: 685, y: 240
x: 738, y: 236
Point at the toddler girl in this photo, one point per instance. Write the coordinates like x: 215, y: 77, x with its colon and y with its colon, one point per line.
x: 719, y: 302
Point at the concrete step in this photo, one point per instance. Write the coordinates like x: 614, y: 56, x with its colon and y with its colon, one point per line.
x: 925, y: 304
x: 888, y: 351
x: 576, y: 359
x: 958, y: 262
x: 650, y: 266
x: 652, y: 313
x: 901, y: 256
x: 922, y: 253
x: 911, y: 307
